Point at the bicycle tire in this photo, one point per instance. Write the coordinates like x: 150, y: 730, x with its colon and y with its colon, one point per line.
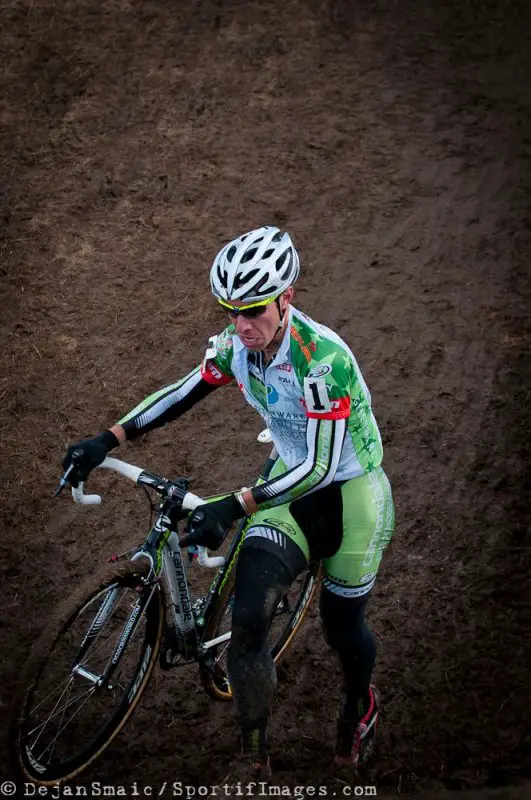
x: 214, y: 675
x: 69, y: 751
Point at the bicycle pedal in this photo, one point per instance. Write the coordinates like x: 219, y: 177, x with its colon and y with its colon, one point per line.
x: 169, y: 659
x: 170, y: 655
x: 217, y: 675
x: 283, y: 607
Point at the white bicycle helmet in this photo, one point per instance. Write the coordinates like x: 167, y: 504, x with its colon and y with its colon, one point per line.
x: 257, y: 266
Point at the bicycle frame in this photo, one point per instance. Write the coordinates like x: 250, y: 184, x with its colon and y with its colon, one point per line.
x: 167, y: 568
x: 188, y: 620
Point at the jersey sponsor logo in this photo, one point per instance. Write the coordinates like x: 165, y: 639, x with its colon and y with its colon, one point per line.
x: 211, y: 374
x: 289, y: 415
x: 283, y: 526
x: 378, y: 537
x: 298, y: 338
x: 318, y: 372
x: 272, y: 395
x: 341, y: 405
x: 215, y: 371
x: 285, y: 367
x: 276, y: 415
x: 340, y: 581
x: 287, y: 431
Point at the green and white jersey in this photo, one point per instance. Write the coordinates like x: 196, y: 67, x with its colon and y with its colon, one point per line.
x: 311, y: 396
x: 313, y: 379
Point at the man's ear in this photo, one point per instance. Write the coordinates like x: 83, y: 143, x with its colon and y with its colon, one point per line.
x: 288, y: 295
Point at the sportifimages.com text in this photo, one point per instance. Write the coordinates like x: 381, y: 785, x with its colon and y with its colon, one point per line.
x: 180, y: 789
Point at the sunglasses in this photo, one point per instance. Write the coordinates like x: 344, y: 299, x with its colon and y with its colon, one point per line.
x: 248, y: 312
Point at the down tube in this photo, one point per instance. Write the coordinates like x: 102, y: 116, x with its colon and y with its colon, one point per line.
x: 178, y: 585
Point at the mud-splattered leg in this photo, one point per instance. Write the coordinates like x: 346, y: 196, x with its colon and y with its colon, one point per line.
x: 261, y: 580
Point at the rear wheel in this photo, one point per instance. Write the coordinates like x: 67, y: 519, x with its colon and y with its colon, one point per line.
x: 87, y: 674
x: 287, y: 620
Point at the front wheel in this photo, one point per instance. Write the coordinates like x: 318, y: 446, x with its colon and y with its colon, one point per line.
x: 86, y: 674
x: 287, y: 619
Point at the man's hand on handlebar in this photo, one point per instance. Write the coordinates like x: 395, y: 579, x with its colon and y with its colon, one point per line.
x: 89, y: 453
x: 210, y: 523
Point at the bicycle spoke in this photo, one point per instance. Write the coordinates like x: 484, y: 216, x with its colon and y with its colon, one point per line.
x: 54, y: 713
x: 54, y: 740
x: 220, y: 655
x: 50, y: 693
x: 52, y: 744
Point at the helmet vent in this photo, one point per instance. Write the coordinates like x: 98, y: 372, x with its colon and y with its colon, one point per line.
x: 249, y: 255
x: 222, y: 276
x: 241, y: 280
x: 280, y: 261
x: 284, y: 275
x: 258, y: 288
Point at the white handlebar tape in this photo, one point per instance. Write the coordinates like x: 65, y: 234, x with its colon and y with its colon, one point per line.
x: 190, y: 502
x: 209, y: 561
x: 85, y: 499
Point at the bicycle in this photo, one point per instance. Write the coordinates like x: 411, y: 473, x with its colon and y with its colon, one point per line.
x: 88, y: 671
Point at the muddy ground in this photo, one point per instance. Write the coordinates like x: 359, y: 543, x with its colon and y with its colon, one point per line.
x: 393, y: 140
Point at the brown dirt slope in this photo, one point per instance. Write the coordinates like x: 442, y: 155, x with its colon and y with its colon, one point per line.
x: 393, y: 140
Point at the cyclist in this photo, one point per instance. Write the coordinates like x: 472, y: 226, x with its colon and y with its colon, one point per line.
x: 327, y: 496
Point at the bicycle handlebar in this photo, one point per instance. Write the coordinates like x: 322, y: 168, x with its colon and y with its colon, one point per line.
x: 189, y: 502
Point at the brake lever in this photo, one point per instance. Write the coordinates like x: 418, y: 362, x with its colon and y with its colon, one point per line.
x: 64, y: 479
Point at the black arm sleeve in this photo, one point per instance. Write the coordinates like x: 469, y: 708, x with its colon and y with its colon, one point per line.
x: 166, y: 405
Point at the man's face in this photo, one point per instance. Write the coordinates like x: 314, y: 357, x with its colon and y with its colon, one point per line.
x: 257, y: 333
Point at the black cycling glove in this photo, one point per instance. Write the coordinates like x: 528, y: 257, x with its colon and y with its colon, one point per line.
x: 92, y: 453
x: 210, y: 523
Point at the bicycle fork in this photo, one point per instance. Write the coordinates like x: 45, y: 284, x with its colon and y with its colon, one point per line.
x: 103, y: 615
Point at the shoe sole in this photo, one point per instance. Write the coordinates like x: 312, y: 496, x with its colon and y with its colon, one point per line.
x: 366, y: 749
